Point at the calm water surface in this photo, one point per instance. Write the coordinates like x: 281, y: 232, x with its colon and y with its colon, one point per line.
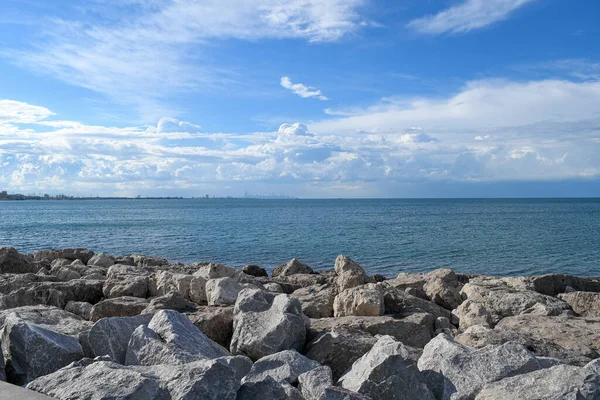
x: 385, y: 236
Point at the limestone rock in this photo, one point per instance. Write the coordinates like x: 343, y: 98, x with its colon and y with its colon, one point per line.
x: 349, y: 273
x: 406, y: 280
x: 286, y: 366
x: 386, y: 372
x: 364, y: 300
x: 216, y: 271
x: 292, y: 268
x: 254, y: 270
x: 265, y: 323
x: 214, y: 322
x: 169, y: 301
x: 125, y: 306
x: 198, y: 290
x: 51, y: 318
x: 110, y: 336
x: 126, y: 285
x: 456, y: 371
x: 170, y: 338
x: 586, y: 304
x: 555, y: 383
x: 403, y: 304
x: 165, y: 282
x: 75, y: 254
x: 81, y: 308
x: 222, y: 291
x: 443, y: 288
x: 65, y: 273
x: 101, y: 260
x: 143, y: 261
x: 317, y: 301
x: 315, y: 382
x: 274, y: 287
x: 32, y: 351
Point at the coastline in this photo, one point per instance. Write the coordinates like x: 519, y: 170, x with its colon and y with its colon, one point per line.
x: 302, y: 333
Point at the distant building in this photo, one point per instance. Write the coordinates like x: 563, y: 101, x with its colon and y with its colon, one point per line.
x: 3, y: 194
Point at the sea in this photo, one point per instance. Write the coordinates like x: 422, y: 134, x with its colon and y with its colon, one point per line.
x: 385, y: 236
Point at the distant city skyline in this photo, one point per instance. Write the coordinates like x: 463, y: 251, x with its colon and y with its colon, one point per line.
x: 313, y: 99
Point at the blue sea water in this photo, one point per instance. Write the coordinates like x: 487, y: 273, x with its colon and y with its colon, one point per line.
x: 491, y: 236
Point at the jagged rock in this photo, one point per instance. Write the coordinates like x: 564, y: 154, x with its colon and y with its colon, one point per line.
x: 302, y: 280
x: 349, y: 273
x: 81, y: 308
x: 170, y: 301
x: 165, y: 282
x: 254, y: 270
x: 12, y: 262
x: 575, y: 334
x: 553, y: 284
x: 65, y: 273
x: 286, y: 366
x: 214, y: 322
x: 45, y: 254
x: 386, y: 372
x: 312, y: 384
x: 143, y: 261
x: 500, y: 300
x: 471, y: 313
x: 170, y: 338
x: 222, y: 291
x: 292, y: 268
x: 443, y: 288
x: 555, y: 383
x: 317, y: 301
x: 198, y: 290
x: 51, y: 318
x: 265, y: 323
x: 479, y: 336
x: 2, y: 367
x: 110, y: 336
x: 75, y: 254
x: 126, y: 285
x: 11, y: 282
x: 101, y: 260
x: 400, y: 303
x: 118, y: 270
x: 366, y: 300
x: 60, y: 262
x: 32, y: 351
x: 125, y: 306
x: 216, y: 271
x: 338, y: 393
x: 268, y: 388
x: 273, y: 287
x: 586, y: 304
x: 456, y: 371
x: 406, y: 280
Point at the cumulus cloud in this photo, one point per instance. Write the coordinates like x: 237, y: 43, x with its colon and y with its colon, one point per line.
x: 302, y: 90
x: 467, y: 16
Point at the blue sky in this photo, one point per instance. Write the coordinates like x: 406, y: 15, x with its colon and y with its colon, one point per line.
x: 314, y: 98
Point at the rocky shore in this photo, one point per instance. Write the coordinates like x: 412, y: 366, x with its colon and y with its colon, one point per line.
x: 79, y: 325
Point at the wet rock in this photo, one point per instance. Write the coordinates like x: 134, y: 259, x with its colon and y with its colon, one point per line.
x: 555, y: 383
x: 349, y: 273
x: 317, y: 301
x: 286, y: 366
x: 222, y: 291
x: 12, y: 262
x: 586, y: 304
x: 214, y: 322
x: 386, y: 372
x: 313, y: 384
x: 366, y: 300
x: 125, y: 306
x: 456, y: 371
x: 265, y: 323
x: 81, y: 308
x: 170, y: 338
x: 254, y: 270
x: 110, y: 336
x: 292, y: 268
x: 101, y: 260
x: 32, y: 351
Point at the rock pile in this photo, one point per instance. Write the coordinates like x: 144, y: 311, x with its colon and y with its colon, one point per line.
x: 80, y: 325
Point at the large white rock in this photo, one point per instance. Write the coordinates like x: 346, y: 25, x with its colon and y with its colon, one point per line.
x: 222, y: 291
x: 349, y: 273
x: 293, y: 267
x: 165, y: 282
x: 386, y: 372
x: 110, y: 336
x: 286, y: 366
x: 266, y: 323
x: 315, y: 382
x: 101, y: 260
x: 366, y: 300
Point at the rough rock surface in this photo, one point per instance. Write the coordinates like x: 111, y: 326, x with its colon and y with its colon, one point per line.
x: 338, y: 393
x: 556, y: 383
x: 292, y: 268
x: 315, y: 382
x: 81, y: 308
x: 170, y: 338
x: 366, y: 300
x: 169, y: 301
x: 266, y: 323
x: 51, y: 318
x: 456, y: 371
x: 165, y: 282
x: 386, y: 372
x: 222, y: 291
x: 349, y: 273
x: 100, y: 260
x: 268, y: 388
x: 317, y: 301
x: 125, y: 306
x: 32, y: 351
x: 586, y: 304
x: 443, y: 288
x: 286, y: 366
x: 214, y: 322
x: 126, y: 285
x: 110, y: 336
x: 254, y: 270
x: 216, y: 271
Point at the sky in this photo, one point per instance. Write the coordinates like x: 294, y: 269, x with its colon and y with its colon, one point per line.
x: 311, y: 98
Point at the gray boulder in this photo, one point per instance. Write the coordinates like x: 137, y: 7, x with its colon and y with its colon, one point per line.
x: 338, y: 393
x: 586, y: 304
x: 443, y: 288
x: 283, y: 366
x: 75, y: 254
x: 456, y: 371
x: 2, y: 366
x: 51, y: 318
x: 268, y: 388
x: 198, y: 290
x: 349, y: 273
x: 32, y: 351
x: 125, y: 306
x: 386, y: 372
x: 216, y: 271
x: 164, y: 282
x: 222, y: 291
x: 254, y: 270
x: 81, y: 308
x: 110, y: 336
x: 555, y: 383
x: 366, y: 300
x: 170, y: 338
x: 317, y: 301
x: 143, y: 261
x: 313, y: 384
x: 214, y: 322
x: 169, y: 301
x: 12, y: 262
x: 292, y: 268
x: 266, y: 323
x: 101, y: 260
x: 126, y: 285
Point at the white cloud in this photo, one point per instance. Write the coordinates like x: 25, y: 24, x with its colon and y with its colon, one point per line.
x: 302, y: 90
x: 467, y: 16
